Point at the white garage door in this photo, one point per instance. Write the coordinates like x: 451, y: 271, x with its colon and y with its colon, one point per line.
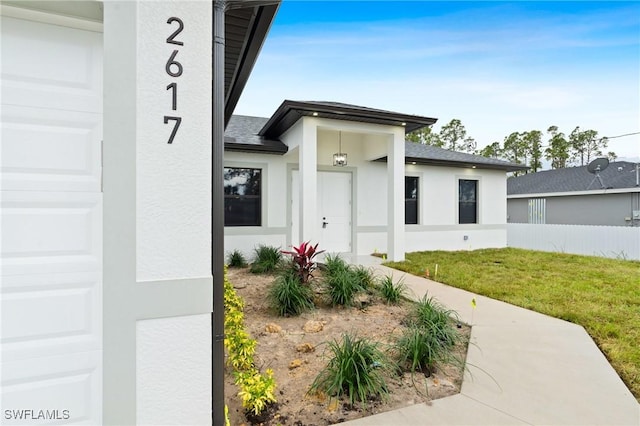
x: 51, y: 229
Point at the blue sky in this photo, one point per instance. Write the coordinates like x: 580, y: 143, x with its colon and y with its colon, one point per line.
x: 499, y: 67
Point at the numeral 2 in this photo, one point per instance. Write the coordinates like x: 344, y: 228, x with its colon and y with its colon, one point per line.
x: 178, y: 120
x: 171, y: 39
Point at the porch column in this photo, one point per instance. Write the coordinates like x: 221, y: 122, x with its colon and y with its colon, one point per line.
x: 308, y: 185
x: 395, y: 201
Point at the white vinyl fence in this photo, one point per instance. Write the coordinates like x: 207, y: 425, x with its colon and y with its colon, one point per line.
x: 605, y: 241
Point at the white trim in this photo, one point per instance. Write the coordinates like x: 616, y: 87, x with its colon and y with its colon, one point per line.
x: 575, y: 193
x: 51, y: 18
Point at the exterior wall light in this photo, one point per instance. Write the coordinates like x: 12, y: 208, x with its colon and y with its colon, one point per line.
x: 340, y: 158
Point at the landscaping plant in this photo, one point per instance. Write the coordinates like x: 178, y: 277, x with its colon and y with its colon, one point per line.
x: 438, y: 321
x: 237, y: 260
x: 363, y: 276
x: 419, y: 350
x: 342, y: 285
x: 267, y: 259
x: 288, y: 296
x: 302, y: 257
x: 390, y: 292
x: 256, y: 390
x: 356, y: 369
x: 343, y: 282
x: 429, y: 338
x: 333, y: 263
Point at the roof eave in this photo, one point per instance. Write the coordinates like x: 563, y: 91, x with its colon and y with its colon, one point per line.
x: 256, y: 35
x: 460, y: 164
x: 291, y: 111
x: 255, y: 149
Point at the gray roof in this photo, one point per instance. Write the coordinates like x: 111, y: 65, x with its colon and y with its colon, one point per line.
x: 242, y: 134
x: 428, y: 154
x: 289, y: 112
x: 619, y: 175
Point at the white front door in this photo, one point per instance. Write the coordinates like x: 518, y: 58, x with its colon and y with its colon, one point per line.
x: 334, y: 211
x: 51, y: 229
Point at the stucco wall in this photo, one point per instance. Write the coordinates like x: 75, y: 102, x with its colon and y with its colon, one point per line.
x: 173, y: 202
x: 438, y: 209
x: 157, y: 210
x: 173, y: 387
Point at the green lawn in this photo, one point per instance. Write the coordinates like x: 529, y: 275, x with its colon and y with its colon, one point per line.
x: 602, y: 295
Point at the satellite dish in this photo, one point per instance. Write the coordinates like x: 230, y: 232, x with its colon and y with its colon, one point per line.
x: 595, y: 167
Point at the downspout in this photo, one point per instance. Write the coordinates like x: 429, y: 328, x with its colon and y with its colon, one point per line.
x: 217, y: 216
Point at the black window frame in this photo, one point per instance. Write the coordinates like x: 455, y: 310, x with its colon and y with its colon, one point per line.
x: 467, y: 209
x: 411, y: 203
x: 249, y: 205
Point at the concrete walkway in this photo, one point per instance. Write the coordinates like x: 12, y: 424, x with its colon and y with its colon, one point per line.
x: 523, y: 368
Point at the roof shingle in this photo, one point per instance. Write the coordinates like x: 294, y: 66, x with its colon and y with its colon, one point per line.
x: 619, y: 175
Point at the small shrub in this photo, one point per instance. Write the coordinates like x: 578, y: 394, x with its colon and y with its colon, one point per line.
x: 267, y: 259
x: 436, y: 319
x: 256, y: 390
x: 390, y: 292
x: 302, y: 260
x: 333, y: 263
x: 364, y: 276
x: 419, y: 350
x: 343, y: 281
x: 236, y: 259
x: 342, y: 286
x: 287, y: 296
x: 355, y: 369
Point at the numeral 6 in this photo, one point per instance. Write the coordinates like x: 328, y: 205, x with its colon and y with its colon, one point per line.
x: 171, y: 62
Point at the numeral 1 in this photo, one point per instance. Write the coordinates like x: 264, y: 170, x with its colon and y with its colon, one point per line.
x: 174, y: 95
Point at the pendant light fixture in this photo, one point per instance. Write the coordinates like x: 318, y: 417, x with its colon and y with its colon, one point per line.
x: 340, y: 158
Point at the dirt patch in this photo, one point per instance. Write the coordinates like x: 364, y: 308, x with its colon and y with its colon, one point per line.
x: 295, y: 349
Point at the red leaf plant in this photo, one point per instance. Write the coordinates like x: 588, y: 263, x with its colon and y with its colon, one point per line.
x: 303, y: 262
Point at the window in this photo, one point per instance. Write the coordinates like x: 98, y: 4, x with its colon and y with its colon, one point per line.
x: 537, y: 210
x: 242, y: 197
x: 410, y: 200
x: 467, y: 201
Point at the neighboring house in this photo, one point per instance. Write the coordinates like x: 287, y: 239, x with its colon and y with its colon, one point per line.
x: 573, y: 196
x: 344, y: 176
x: 571, y: 210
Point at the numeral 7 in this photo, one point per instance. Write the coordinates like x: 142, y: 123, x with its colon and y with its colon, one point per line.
x: 177, y: 120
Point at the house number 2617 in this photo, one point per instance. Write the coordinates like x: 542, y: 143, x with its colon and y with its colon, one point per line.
x: 174, y: 69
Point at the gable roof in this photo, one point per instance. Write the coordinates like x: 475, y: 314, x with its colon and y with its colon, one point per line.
x: 619, y: 175
x: 289, y: 112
